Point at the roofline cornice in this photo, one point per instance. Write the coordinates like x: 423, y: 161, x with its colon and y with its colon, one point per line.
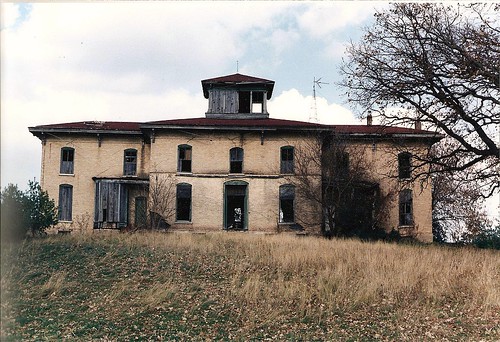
x: 35, y: 130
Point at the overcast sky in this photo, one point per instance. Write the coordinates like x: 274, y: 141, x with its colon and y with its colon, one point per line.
x: 143, y: 61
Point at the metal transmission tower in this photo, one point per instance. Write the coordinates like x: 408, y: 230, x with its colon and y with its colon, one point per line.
x: 313, y: 117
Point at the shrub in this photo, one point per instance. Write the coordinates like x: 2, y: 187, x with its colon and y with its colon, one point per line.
x: 488, y: 239
x: 31, y: 210
x: 13, y: 221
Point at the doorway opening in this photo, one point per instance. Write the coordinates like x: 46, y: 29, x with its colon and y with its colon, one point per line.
x: 235, y: 208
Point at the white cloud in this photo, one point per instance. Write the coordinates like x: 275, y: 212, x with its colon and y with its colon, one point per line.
x: 325, y: 18
x: 292, y: 105
x: 9, y: 13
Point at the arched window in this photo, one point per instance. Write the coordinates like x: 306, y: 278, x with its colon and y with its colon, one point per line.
x: 405, y: 208
x: 65, y: 202
x: 286, y: 157
x: 67, y: 161
x: 184, y: 158
x: 404, y: 165
x: 287, y: 205
x: 236, y: 160
x: 130, y: 162
x: 183, y: 212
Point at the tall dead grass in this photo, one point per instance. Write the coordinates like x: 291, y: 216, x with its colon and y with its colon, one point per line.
x: 308, y: 273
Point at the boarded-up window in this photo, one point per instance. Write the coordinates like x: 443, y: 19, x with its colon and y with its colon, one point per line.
x: 140, y: 211
x: 404, y: 165
x: 405, y: 208
x: 286, y: 165
x: 111, y: 203
x: 184, y: 161
x: 287, y: 199
x: 130, y: 162
x: 67, y: 160
x: 183, y: 202
x: 223, y: 101
x: 236, y: 160
x: 65, y: 202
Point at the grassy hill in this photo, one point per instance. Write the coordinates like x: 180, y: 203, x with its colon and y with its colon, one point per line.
x: 238, y: 286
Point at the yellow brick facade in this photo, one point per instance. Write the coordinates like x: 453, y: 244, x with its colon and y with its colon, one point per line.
x: 210, y: 171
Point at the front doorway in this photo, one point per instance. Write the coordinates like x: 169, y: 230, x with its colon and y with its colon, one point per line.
x: 235, y: 205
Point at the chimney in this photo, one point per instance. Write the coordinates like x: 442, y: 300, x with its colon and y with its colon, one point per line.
x: 369, y: 119
x: 418, y: 124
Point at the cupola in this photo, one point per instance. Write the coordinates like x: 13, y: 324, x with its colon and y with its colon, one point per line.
x: 237, y: 96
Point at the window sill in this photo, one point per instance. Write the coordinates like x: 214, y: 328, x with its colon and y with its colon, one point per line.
x: 184, y: 173
x: 67, y: 174
x: 183, y: 222
x: 61, y: 221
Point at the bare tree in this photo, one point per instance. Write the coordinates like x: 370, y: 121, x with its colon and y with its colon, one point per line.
x: 160, y: 195
x: 348, y: 196
x: 438, y: 66
x: 457, y: 203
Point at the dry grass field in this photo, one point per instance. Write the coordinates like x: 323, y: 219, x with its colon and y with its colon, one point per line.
x: 240, y: 286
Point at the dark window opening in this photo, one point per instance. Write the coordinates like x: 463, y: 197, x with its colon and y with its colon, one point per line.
x: 130, y: 162
x: 257, y: 102
x: 244, y: 102
x: 341, y: 166
x: 286, y: 165
x: 140, y: 211
x: 67, y: 160
x: 184, y: 162
x: 251, y: 102
x: 404, y: 165
x: 287, y: 198
x: 65, y: 202
x: 405, y: 208
x: 236, y: 160
x: 183, y: 202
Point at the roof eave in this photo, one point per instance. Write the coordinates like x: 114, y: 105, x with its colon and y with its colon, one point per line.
x: 38, y: 130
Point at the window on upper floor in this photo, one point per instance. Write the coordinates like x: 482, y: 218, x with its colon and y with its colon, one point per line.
x: 183, y: 197
x: 287, y: 199
x: 341, y: 165
x: 67, y: 161
x: 251, y: 102
x: 286, y: 165
x: 65, y: 207
x: 236, y: 160
x: 130, y: 162
x: 404, y: 165
x: 405, y: 208
x: 184, y: 158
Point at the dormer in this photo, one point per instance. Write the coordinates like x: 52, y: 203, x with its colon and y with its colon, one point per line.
x: 237, y: 96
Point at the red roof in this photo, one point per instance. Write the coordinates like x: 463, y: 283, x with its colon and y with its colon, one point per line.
x: 237, y: 79
x: 283, y: 124
x: 92, y: 126
x: 228, y: 124
x: 197, y: 122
